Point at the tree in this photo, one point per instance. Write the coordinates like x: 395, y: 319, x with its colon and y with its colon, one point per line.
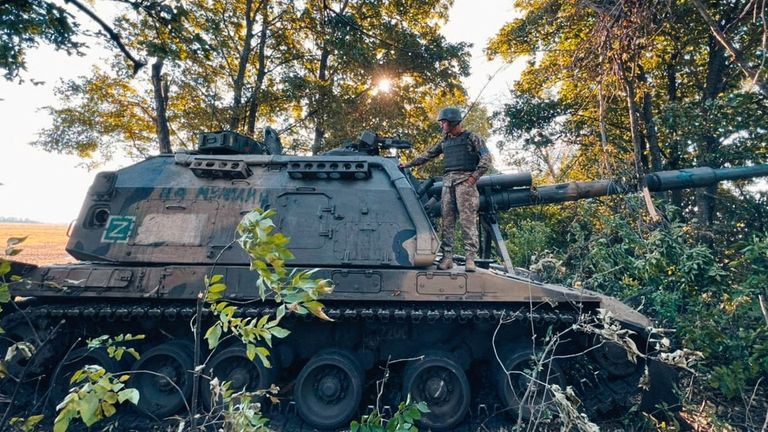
x: 352, y: 46
x: 24, y: 24
x: 635, y: 81
x: 104, y: 109
x: 226, y: 64
x: 27, y: 23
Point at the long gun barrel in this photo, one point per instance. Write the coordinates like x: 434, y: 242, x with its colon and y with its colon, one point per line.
x: 507, y: 191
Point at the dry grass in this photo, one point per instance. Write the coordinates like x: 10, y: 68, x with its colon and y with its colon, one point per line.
x: 44, y: 245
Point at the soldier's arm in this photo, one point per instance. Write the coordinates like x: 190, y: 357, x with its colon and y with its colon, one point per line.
x: 486, y: 160
x: 427, y: 156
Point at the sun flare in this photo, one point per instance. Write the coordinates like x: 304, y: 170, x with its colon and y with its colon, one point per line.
x: 384, y: 85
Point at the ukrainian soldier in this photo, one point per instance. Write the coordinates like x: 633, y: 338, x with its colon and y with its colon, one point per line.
x: 466, y: 158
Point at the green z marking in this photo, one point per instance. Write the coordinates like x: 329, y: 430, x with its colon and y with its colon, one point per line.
x: 119, y: 229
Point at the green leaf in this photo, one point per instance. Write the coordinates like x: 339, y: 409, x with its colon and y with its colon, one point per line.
x: 108, y: 409
x: 10, y: 249
x: 216, y: 278
x: 5, y: 294
x: 279, y: 332
x: 130, y: 394
x: 217, y: 288
x: 213, y: 335
x: 250, y: 351
x: 89, y: 410
x: 316, y: 308
x: 61, y: 424
x: 76, y: 376
x: 263, y: 356
x: 280, y: 312
x: 262, y: 321
x: 133, y: 352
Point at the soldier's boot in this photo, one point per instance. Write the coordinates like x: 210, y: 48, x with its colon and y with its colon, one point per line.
x: 446, y: 263
x: 469, y: 264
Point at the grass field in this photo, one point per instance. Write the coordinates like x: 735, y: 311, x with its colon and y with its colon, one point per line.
x: 44, y: 244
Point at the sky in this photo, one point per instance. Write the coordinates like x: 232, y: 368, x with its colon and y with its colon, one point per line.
x: 50, y: 188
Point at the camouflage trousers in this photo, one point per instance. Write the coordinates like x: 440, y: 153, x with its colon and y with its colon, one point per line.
x: 460, y: 199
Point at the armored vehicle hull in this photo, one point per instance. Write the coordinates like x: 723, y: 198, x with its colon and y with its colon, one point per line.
x: 429, y: 328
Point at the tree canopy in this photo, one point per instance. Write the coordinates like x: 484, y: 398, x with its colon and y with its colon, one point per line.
x: 313, y: 70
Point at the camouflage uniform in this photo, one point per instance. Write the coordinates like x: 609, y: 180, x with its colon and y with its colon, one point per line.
x: 458, y: 197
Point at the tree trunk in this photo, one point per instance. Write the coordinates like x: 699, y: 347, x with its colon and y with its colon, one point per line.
x: 651, y: 134
x: 634, y: 122
x: 705, y: 197
x: 738, y: 57
x: 242, y: 66
x: 261, y: 72
x: 322, y: 75
x: 676, y: 196
x: 160, y: 90
x: 604, y: 169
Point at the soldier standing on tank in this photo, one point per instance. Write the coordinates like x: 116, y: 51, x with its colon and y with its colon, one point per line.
x: 466, y: 158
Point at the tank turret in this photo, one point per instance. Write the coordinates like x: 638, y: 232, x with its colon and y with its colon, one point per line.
x: 148, y: 234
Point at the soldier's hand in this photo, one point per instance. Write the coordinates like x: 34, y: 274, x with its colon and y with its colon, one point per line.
x: 472, y: 181
x: 402, y: 165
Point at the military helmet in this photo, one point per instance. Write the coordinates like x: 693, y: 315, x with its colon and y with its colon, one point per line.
x: 450, y: 114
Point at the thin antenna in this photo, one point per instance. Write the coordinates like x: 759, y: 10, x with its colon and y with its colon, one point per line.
x: 474, y: 102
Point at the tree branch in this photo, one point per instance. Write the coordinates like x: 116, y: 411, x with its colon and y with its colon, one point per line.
x: 137, y: 64
x: 723, y: 39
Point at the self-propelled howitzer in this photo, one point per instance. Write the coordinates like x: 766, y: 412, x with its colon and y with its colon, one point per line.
x: 148, y: 234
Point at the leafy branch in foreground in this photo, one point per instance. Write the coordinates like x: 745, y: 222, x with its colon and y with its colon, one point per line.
x: 294, y: 291
x: 94, y: 398
x: 97, y: 390
x: 403, y: 420
x: 5, y: 268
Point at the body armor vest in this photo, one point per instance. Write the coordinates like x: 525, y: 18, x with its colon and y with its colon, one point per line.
x: 459, y: 155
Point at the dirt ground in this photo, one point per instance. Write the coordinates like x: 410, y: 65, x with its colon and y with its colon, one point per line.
x: 44, y: 244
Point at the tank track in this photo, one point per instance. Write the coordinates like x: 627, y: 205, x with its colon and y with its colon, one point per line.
x: 599, y: 394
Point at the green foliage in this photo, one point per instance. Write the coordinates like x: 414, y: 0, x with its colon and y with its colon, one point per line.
x: 99, y: 114
x: 24, y: 348
x: 665, y: 272
x: 242, y: 409
x: 26, y: 424
x: 25, y: 24
x: 589, y: 67
x: 528, y: 119
x: 114, y: 346
x: 294, y: 291
x: 403, y: 420
x: 528, y: 240
x: 94, y: 398
x: 268, y: 254
x: 284, y: 63
x: 99, y: 391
